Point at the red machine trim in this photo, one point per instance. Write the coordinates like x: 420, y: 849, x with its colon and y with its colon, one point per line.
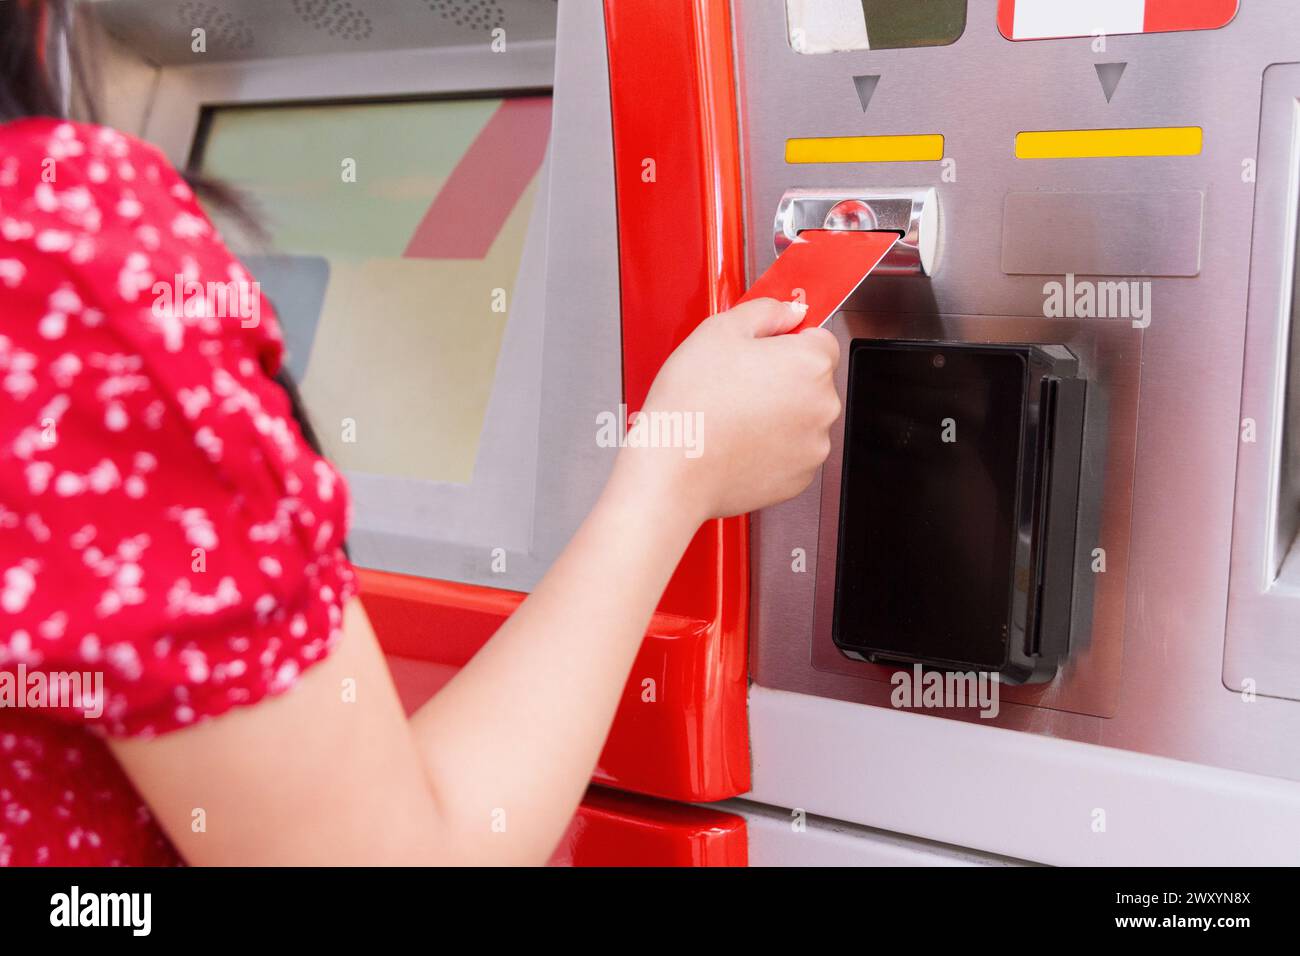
x: 430, y: 620
x: 681, y: 244
x: 614, y: 829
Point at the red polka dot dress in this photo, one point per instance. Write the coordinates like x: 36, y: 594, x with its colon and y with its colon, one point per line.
x: 170, y: 547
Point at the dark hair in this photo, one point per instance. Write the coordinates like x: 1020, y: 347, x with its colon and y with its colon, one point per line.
x: 27, y: 88
x: 27, y: 85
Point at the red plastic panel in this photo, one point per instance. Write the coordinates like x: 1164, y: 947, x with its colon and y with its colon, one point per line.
x: 677, y: 172
x: 430, y: 620
x: 613, y: 829
x: 416, y: 680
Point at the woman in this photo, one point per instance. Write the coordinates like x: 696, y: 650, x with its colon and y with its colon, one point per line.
x: 164, y: 523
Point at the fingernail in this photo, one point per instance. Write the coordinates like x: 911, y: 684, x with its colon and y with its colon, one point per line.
x: 801, y: 308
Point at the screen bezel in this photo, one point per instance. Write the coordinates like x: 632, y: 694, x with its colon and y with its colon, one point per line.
x: 210, y: 111
x: 207, y: 111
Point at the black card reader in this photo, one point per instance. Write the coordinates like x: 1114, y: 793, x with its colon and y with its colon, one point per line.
x: 959, y: 504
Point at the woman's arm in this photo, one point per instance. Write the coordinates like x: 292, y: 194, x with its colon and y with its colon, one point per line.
x: 488, y: 771
x: 518, y: 731
x: 492, y: 768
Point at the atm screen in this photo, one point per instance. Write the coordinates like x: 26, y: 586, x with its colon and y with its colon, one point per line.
x: 394, y: 237
x: 928, y: 523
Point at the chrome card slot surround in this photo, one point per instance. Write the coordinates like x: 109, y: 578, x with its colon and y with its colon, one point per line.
x: 911, y: 213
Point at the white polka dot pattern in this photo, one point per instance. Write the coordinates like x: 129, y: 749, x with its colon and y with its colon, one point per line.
x: 162, y: 521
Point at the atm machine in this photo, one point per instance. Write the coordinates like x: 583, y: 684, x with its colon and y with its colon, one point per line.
x: 1042, y: 605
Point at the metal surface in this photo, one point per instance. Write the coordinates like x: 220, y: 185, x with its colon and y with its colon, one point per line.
x: 162, y: 31
x: 1103, y: 234
x: 1263, y: 644
x: 1022, y: 795
x: 1168, y: 698
x: 1088, y: 680
x: 780, y: 837
x: 912, y: 213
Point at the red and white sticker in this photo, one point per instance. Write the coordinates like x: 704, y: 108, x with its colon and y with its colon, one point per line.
x: 1053, y: 19
x: 821, y: 268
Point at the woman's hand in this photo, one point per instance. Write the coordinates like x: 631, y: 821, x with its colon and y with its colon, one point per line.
x: 757, y: 407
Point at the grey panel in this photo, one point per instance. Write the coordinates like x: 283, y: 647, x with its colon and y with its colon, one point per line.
x: 1263, y: 644
x: 781, y: 837
x: 1102, y: 234
x: 1169, y: 698
x: 582, y: 349
x: 1026, y: 796
x: 161, y: 30
x: 1089, y: 681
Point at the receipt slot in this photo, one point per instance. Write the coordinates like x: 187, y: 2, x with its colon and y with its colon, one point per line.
x: 959, y: 505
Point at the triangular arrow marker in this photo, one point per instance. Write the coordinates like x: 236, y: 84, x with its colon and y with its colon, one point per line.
x: 1109, y: 74
x: 866, y: 86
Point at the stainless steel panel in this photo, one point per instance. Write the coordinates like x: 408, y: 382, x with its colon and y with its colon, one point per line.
x: 1089, y: 680
x: 1031, y: 796
x: 780, y: 837
x: 1263, y: 645
x: 1168, y: 697
x: 1102, y: 234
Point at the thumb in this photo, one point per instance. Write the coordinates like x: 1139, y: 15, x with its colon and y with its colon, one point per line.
x: 762, y: 318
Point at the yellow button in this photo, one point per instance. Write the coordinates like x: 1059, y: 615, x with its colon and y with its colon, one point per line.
x: 1097, y: 143
x: 865, y: 149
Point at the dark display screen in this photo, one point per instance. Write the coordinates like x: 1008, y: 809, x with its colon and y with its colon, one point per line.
x: 927, y: 517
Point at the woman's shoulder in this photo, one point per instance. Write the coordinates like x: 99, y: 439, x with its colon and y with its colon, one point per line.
x: 63, y: 170
x: 102, y: 212
x: 81, y: 189
x: 99, y: 153
x: 121, y: 303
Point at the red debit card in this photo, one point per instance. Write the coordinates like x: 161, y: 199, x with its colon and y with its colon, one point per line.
x: 821, y: 268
